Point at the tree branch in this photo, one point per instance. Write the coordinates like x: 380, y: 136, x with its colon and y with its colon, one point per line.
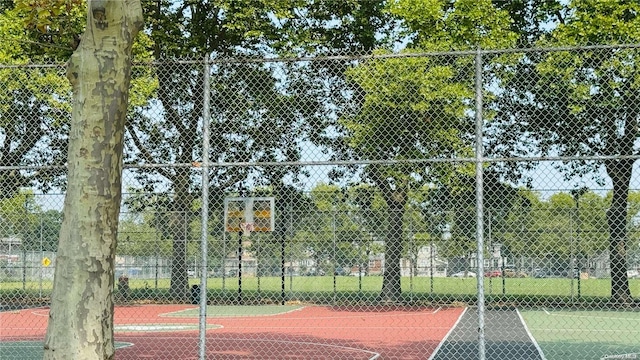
x: 146, y: 155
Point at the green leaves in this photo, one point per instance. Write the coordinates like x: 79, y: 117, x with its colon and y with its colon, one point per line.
x: 53, y: 24
x: 455, y: 25
x: 418, y: 107
x: 595, y: 88
x: 598, y: 22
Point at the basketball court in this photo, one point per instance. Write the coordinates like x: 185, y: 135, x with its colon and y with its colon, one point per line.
x: 368, y: 332
x: 293, y: 332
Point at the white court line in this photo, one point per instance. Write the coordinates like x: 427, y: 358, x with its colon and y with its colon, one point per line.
x: 40, y: 311
x: 533, y: 340
x: 345, y: 327
x: 624, y: 331
x: 177, y: 313
x: 258, y: 317
x: 433, y: 354
x: 148, y: 328
x: 44, y: 312
x: 593, y: 317
x: 122, y: 345
x: 374, y: 355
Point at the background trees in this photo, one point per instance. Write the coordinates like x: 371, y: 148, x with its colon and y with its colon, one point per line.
x: 384, y: 109
x: 33, y: 112
x: 583, y: 104
x: 418, y: 108
x: 262, y: 111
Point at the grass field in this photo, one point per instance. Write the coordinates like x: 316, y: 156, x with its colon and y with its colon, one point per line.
x: 445, y: 286
x: 582, y: 335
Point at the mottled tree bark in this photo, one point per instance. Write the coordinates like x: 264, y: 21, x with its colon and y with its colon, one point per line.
x: 394, y: 244
x: 620, y: 172
x: 81, y: 317
x: 394, y: 248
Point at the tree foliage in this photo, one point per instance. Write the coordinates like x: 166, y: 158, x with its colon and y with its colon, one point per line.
x: 582, y: 104
x: 34, y: 110
x: 418, y: 108
x: 263, y: 112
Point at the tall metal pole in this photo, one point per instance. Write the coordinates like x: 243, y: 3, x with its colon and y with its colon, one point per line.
x: 479, y: 206
x: 257, y: 257
x: 224, y: 259
x: 412, y: 258
x: 41, y: 253
x: 282, y: 269
x: 282, y: 254
x: 333, y: 225
x: 240, y: 237
x: 206, y: 119
x: 579, y: 253
x: 431, y: 267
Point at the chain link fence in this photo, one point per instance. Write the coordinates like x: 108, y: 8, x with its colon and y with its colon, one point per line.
x: 467, y: 205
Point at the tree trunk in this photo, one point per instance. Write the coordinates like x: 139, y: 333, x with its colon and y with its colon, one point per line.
x: 81, y: 316
x: 620, y: 173
x: 391, y: 282
x: 178, y: 288
x: 181, y: 219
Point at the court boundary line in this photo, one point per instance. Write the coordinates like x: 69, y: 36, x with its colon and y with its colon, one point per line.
x: 590, y: 330
x: 533, y: 340
x: 446, y: 336
x: 175, y: 314
x: 38, y: 311
x: 117, y: 344
x: 125, y: 344
x: 162, y: 328
x: 374, y: 354
x: 368, y: 351
x: 589, y: 317
x: 249, y: 317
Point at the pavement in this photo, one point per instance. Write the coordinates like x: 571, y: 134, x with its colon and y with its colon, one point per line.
x: 506, y: 337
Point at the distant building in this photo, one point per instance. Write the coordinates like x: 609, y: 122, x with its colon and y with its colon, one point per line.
x: 10, y: 244
x: 599, y: 265
x: 427, y: 263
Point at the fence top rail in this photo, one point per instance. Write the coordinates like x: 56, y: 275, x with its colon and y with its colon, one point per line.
x: 350, y: 162
x: 350, y: 57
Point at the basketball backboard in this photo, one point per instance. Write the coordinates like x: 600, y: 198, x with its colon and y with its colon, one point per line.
x: 256, y: 211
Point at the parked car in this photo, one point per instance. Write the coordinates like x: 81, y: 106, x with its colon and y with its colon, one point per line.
x: 511, y: 273
x: 493, y: 273
x: 314, y: 272
x: 341, y: 271
x: 464, y: 274
x: 540, y: 273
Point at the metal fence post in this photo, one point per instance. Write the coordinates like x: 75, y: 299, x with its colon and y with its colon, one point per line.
x: 333, y: 229
x: 479, y: 204
x: 206, y: 117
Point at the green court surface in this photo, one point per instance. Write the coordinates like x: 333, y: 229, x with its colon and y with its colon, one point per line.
x: 585, y: 334
x: 231, y: 310
x: 26, y: 350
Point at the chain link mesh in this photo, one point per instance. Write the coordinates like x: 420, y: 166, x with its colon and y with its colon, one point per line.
x: 371, y: 162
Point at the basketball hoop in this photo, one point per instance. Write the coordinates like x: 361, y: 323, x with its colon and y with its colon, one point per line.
x: 259, y: 212
x: 247, y: 228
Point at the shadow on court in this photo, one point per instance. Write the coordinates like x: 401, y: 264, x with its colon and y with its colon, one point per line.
x: 505, y: 334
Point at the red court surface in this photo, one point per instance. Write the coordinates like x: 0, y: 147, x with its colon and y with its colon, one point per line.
x: 312, y: 332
